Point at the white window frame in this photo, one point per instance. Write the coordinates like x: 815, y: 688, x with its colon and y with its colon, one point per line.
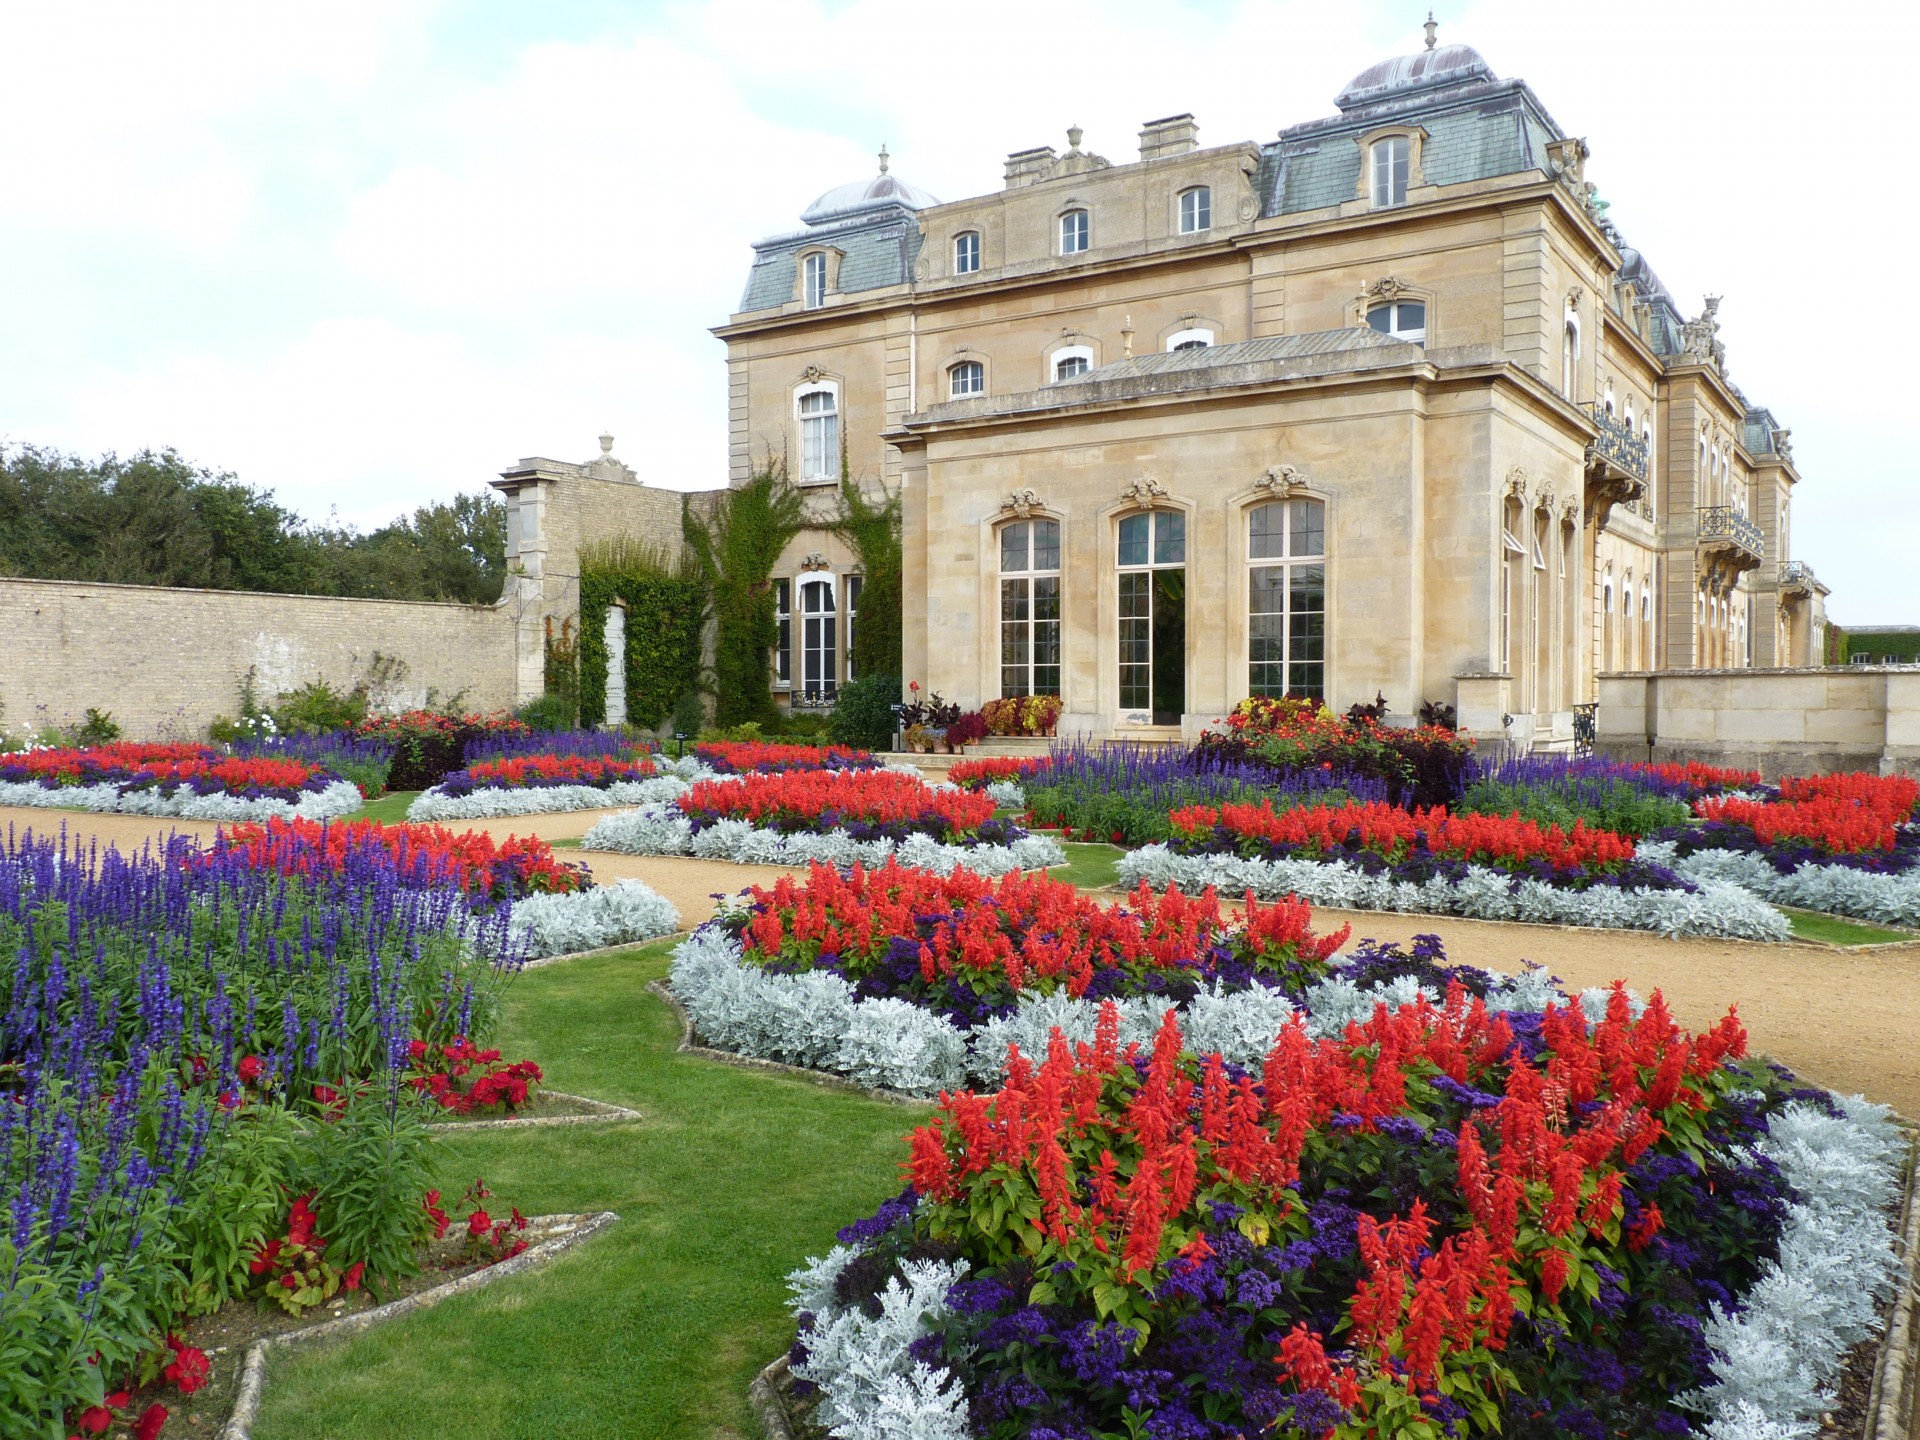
x: 1286, y: 561
x: 1154, y: 518
x: 1389, y: 170
x: 1029, y: 578
x: 976, y: 370
x: 1075, y: 224
x: 1412, y: 334
x: 1195, y: 205
x: 1193, y: 339
x: 823, y: 649
x: 827, y: 449
x: 855, y: 584
x: 1569, y: 355
x: 783, y: 634
x: 1068, y: 352
x: 966, y: 257
x: 813, y: 280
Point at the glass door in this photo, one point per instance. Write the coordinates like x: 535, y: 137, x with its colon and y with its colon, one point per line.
x: 1153, y: 617
x: 818, y: 651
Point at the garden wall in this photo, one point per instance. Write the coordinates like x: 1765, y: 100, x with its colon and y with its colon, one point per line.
x: 1791, y: 722
x: 166, y: 662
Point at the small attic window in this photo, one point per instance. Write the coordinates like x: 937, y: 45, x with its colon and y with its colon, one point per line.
x: 1402, y: 319
x: 1389, y: 159
x: 813, y: 281
x: 1196, y: 210
x: 966, y: 252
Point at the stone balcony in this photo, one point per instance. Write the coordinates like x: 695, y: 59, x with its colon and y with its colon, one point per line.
x: 1727, y: 544
x: 1797, y: 580
x: 1616, y: 465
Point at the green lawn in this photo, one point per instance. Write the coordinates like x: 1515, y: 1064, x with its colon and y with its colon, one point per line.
x: 1090, y: 867
x: 657, y: 1326
x: 1832, y: 930
x: 391, y: 807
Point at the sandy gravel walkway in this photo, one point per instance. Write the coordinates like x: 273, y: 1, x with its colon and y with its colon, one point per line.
x: 1850, y: 1020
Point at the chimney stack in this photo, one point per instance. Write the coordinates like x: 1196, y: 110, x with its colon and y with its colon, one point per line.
x: 1029, y: 167
x: 1175, y: 135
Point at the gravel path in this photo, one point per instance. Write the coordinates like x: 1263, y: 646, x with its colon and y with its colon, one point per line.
x: 1845, y: 1019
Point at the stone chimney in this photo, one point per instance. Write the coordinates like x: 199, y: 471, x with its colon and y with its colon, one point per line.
x: 1175, y: 135
x: 1029, y: 167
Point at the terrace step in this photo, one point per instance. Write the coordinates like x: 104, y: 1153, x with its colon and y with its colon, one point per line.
x: 1020, y: 745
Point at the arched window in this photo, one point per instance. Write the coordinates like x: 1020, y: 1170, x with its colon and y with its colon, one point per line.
x: 1389, y: 161
x: 1190, y: 339
x: 1071, y: 360
x: 1609, y: 399
x: 813, y: 276
x: 819, y: 648
x: 1402, y: 319
x: 1513, y: 556
x: 1646, y: 628
x: 1287, y: 599
x: 1030, y: 608
x: 1075, y: 232
x: 969, y: 377
x: 1569, y: 356
x: 1196, y: 210
x: 1629, y: 414
x: 966, y: 252
x: 854, y: 582
x: 819, y: 434
x: 1607, y: 661
x: 1152, y: 559
x: 1538, y: 595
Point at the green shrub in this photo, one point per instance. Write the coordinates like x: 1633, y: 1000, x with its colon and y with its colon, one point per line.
x: 666, y: 601
x: 369, y: 1169
x: 689, y: 714
x: 316, y: 708
x: 734, y: 550
x: 801, y: 725
x: 549, y: 712
x: 863, y: 713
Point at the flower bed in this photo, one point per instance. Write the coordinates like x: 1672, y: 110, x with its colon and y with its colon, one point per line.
x: 1628, y: 799
x: 839, y: 817
x: 1443, y: 1219
x: 364, y: 762
x: 1427, y: 766
x: 546, y: 784
x: 193, y: 782
x: 428, y: 745
x: 555, y: 907
x: 202, y: 1058
x: 1846, y: 844
x: 767, y: 757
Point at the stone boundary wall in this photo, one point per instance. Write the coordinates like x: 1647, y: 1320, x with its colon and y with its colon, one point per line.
x: 164, y: 662
x: 1779, y: 722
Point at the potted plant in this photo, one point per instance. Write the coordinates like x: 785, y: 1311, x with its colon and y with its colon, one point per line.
x: 920, y: 739
x: 965, y: 730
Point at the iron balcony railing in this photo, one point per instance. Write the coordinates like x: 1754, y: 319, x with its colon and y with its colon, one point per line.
x: 1797, y: 575
x: 1721, y: 524
x: 1616, y: 444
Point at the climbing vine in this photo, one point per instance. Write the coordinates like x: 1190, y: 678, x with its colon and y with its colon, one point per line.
x: 873, y: 531
x: 666, y: 602
x: 734, y: 548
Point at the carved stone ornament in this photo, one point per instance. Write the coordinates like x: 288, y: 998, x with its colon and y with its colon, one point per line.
x: 816, y: 561
x: 812, y: 373
x: 1700, y: 336
x: 1574, y: 296
x: 1783, y: 444
x: 1144, y: 492
x: 1570, y: 513
x: 1517, y: 483
x: 1391, y: 288
x: 1022, y: 503
x: 1545, y: 500
x: 1282, y: 480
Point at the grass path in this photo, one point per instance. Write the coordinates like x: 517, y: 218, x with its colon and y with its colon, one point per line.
x: 657, y: 1327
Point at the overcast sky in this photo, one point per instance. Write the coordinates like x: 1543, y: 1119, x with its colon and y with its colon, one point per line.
x: 367, y: 254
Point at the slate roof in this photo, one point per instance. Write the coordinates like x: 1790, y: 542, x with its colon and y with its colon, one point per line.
x: 878, y: 249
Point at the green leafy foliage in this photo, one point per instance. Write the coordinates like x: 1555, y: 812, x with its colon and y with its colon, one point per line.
x: 1606, y: 805
x: 369, y: 1168
x: 155, y: 519
x: 873, y: 530
x: 863, y: 711
x: 230, y: 1206
x: 665, y: 599
x: 734, y: 550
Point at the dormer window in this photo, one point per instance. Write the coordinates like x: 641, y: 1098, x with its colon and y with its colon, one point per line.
x: 813, y: 281
x: 966, y: 252
x: 1071, y: 360
x: 1389, y: 159
x: 1402, y: 319
x: 1075, y: 232
x: 1191, y: 339
x: 1196, y: 210
x: 969, y: 377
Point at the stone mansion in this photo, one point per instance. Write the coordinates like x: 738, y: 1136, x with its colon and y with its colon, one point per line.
x: 1386, y: 404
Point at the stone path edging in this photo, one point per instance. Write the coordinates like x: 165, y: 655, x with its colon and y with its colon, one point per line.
x: 601, y: 1112
x: 546, y: 960
x: 253, y: 1378
x: 764, y: 1396
x: 1891, y: 1401
x: 690, y: 1046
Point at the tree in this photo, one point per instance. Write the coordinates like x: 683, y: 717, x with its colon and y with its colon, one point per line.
x: 873, y: 530
x: 735, y: 549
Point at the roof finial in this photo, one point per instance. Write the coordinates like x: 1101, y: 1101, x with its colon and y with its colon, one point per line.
x: 1431, y: 27
x: 1074, y: 132
x: 883, y: 157
x: 606, y: 444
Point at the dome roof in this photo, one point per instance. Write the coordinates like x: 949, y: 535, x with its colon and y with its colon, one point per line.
x: 880, y: 193
x: 1426, y: 69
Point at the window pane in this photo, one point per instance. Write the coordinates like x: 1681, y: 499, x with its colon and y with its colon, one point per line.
x: 1046, y: 599
x: 966, y: 253
x: 1306, y: 589
x: 1413, y: 316
x: 1133, y: 542
x: 1266, y: 590
x: 1046, y: 544
x: 1381, y: 319
x: 1013, y: 600
x: 1013, y: 547
x: 1265, y: 538
x: 1069, y: 366
x: 1308, y: 522
x: 1170, y: 538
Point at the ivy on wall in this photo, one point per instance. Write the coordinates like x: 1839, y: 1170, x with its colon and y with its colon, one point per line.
x: 666, y: 604
x: 873, y: 531
x: 733, y: 551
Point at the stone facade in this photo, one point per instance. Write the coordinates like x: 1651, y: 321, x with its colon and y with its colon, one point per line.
x: 1541, y: 472
x: 167, y: 662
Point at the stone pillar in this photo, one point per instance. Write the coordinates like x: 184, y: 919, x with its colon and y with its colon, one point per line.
x: 616, y: 637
